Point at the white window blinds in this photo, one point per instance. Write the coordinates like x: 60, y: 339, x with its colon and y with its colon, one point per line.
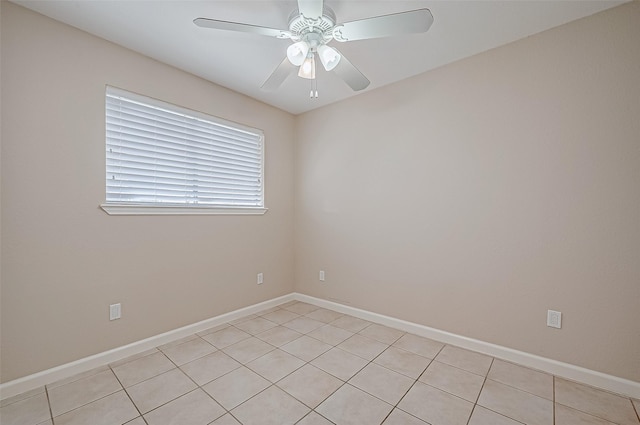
x: 164, y: 155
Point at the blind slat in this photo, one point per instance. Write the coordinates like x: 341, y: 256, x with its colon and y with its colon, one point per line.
x: 162, y: 154
x: 139, y: 118
x: 180, y: 134
x: 136, y: 145
x: 144, y: 181
x: 143, y: 161
x: 123, y: 105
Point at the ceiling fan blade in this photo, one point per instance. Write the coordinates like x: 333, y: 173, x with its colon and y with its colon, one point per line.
x: 351, y: 75
x: 411, y: 22
x: 278, y: 76
x: 236, y: 26
x: 311, y: 9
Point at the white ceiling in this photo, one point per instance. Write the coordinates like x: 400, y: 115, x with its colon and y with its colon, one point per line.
x: 164, y: 31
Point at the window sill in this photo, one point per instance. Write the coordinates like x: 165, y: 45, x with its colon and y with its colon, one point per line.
x: 126, y: 209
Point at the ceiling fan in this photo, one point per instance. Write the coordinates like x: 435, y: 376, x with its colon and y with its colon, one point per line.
x: 312, y: 26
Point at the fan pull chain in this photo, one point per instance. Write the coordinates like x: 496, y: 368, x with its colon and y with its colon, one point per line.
x: 313, y: 94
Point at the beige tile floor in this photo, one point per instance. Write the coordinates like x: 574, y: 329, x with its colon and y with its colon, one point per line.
x: 300, y: 364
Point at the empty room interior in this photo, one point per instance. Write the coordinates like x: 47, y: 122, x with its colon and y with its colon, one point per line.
x: 445, y: 227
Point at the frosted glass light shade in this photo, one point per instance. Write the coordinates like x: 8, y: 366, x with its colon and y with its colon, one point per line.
x: 297, y: 53
x: 329, y: 57
x: 308, y: 68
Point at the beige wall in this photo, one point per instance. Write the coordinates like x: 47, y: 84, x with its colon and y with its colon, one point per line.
x: 63, y: 259
x: 475, y: 197
x: 471, y: 199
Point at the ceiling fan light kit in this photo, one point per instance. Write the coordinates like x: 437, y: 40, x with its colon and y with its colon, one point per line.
x: 308, y: 68
x: 297, y: 53
x: 328, y: 56
x: 312, y: 26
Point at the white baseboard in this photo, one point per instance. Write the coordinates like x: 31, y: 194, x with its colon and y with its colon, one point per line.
x: 564, y: 370
x: 30, y: 382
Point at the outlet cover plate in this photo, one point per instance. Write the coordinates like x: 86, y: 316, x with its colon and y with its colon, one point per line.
x: 554, y: 319
x: 115, y: 311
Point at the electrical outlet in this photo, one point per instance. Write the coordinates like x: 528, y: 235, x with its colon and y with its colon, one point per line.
x: 554, y: 319
x: 321, y: 275
x: 260, y: 278
x: 115, y: 311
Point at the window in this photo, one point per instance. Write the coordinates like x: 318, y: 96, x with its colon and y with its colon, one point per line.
x: 164, y: 159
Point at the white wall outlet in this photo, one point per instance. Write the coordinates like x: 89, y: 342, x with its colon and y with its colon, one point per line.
x: 115, y: 311
x: 554, y: 319
x: 321, y: 275
x: 260, y: 278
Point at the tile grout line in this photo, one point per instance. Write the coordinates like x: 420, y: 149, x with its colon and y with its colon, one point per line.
x: 484, y: 381
x: 592, y: 414
x: 46, y: 391
x: 486, y: 378
x: 177, y: 367
x: 553, y: 381
x: 502, y: 414
x: 409, y: 389
x: 371, y: 361
x: 491, y: 410
x: 141, y: 418
x: 337, y: 389
x: 198, y: 387
x: 79, y: 376
x: 85, y: 404
x: 127, y: 393
x: 224, y: 374
x: 271, y: 384
x: 135, y: 357
x: 313, y: 409
x: 520, y: 389
x: 368, y: 363
x: 189, y: 377
x: 194, y: 359
x: 416, y: 380
x: 468, y: 371
x: 523, y: 390
x: 157, y: 349
x: 343, y: 382
x: 395, y: 406
x: 151, y: 377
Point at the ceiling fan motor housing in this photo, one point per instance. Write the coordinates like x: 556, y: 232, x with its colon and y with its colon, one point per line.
x: 314, y: 31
